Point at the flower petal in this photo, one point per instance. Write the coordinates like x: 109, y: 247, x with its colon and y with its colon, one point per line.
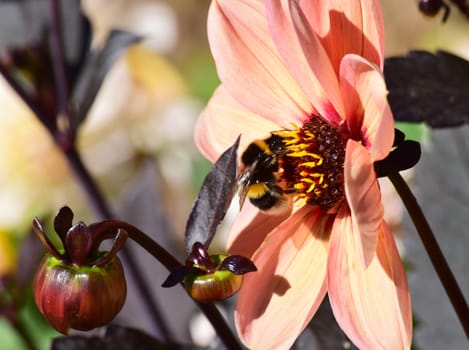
x: 368, y: 114
x: 221, y: 123
x: 250, y: 228
x: 247, y: 62
x: 305, y: 57
x: 364, y: 198
x: 352, y: 26
x: 371, y: 305
x: 277, y: 302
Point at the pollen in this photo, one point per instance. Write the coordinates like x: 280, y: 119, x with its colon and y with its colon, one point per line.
x: 312, y: 163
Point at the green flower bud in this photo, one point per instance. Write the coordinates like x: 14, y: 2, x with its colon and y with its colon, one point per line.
x: 209, y: 278
x: 214, y: 286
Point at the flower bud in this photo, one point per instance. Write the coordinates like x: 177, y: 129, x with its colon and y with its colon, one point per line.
x: 215, y: 286
x: 209, y: 278
x: 79, y: 286
x: 79, y: 297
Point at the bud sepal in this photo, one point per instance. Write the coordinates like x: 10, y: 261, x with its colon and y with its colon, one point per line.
x: 208, y: 278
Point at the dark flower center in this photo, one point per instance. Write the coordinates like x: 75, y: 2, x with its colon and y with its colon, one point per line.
x: 312, y: 164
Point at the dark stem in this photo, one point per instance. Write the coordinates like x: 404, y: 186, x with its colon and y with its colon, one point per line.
x: 59, y: 65
x: 101, y: 208
x: 95, y: 198
x: 433, y: 250
x: 33, y: 106
x: 219, y: 323
x: 107, y: 228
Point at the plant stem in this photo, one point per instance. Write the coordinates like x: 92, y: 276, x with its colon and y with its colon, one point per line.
x: 30, y: 102
x: 108, y: 229
x: 219, y: 323
x: 437, y: 258
x: 57, y: 51
x: 96, y: 199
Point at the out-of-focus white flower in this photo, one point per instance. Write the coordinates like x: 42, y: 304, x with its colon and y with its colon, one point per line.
x: 32, y: 169
x: 130, y: 109
x: 138, y: 96
x: 155, y: 20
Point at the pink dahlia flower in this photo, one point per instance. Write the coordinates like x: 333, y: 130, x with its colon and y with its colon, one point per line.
x: 310, y: 72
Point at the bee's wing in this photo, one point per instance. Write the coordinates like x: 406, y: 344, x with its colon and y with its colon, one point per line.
x: 242, y: 194
x: 244, y: 181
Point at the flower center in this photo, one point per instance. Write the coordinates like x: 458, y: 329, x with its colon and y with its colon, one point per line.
x: 312, y: 163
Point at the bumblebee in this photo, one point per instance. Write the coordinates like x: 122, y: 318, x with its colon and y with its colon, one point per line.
x: 258, y: 178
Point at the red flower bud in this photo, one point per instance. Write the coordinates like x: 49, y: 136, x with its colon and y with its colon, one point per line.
x: 79, y: 286
x: 82, y: 297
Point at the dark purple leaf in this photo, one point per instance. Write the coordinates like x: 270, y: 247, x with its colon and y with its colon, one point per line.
x: 63, y: 221
x: 214, y: 198
x: 118, y: 244
x: 175, y: 277
x: 95, y: 70
x: 117, y: 337
x: 405, y: 156
x: 39, y: 231
x: 238, y: 264
x: 399, y: 137
x: 77, y: 41
x: 430, y: 88
x: 78, y: 342
x: 199, y: 256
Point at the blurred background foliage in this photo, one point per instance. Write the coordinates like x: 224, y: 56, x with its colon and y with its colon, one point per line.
x: 137, y: 139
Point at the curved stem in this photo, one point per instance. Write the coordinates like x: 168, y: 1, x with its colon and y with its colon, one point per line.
x: 107, y: 229
x: 96, y: 199
x: 433, y: 250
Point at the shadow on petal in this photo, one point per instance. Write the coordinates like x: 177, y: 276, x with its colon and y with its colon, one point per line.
x: 276, y: 303
x: 372, y: 304
x: 349, y: 29
x: 250, y: 229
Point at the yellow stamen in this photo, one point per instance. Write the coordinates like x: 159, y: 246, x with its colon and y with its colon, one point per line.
x: 307, y: 166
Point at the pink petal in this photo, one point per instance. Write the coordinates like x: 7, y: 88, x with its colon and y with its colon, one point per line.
x: 368, y: 114
x: 305, y: 57
x: 250, y: 228
x: 364, y: 199
x: 277, y: 302
x: 351, y: 26
x: 248, y: 64
x: 223, y: 120
x: 371, y: 305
